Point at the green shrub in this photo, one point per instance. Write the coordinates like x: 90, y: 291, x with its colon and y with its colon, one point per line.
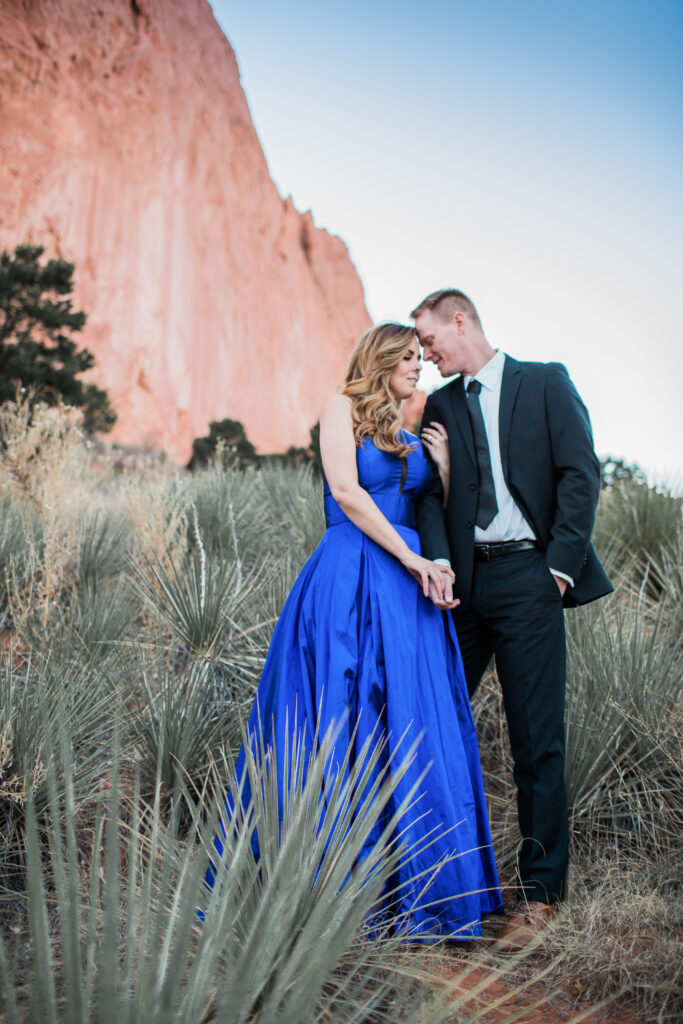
x: 37, y: 328
x: 227, y: 441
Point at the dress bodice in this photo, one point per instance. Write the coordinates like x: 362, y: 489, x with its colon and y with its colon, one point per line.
x: 379, y: 473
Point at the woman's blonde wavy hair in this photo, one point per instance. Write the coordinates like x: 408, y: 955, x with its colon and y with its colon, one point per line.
x: 374, y: 410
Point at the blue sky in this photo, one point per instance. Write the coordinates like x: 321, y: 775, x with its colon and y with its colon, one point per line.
x: 528, y: 152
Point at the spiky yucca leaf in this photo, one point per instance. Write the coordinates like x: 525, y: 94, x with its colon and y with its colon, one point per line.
x: 271, y: 511
x: 102, y: 616
x: 623, y: 685
x: 636, y: 523
x: 293, y: 510
x: 43, y: 693
x: 280, y: 940
x: 104, y: 539
x: 303, y: 925
x: 199, y: 602
x: 227, y: 505
x: 668, y: 571
x: 183, y: 716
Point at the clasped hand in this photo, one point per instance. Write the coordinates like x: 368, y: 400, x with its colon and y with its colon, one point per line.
x: 436, y: 580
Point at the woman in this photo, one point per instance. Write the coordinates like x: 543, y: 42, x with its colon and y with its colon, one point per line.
x: 359, y: 641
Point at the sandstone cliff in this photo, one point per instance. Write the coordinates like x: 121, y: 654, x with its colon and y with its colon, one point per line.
x: 127, y: 147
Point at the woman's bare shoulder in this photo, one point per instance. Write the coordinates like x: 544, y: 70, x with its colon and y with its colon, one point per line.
x: 336, y: 405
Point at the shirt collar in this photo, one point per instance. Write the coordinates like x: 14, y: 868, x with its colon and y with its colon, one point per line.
x: 491, y: 373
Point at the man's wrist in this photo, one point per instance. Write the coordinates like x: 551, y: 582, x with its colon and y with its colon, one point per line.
x: 562, y: 576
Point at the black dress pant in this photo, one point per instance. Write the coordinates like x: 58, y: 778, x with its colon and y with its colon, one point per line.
x: 515, y: 614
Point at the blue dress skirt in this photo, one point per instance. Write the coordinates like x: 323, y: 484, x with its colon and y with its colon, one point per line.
x: 358, y: 643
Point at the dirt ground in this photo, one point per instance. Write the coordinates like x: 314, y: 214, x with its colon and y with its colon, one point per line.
x: 480, y: 989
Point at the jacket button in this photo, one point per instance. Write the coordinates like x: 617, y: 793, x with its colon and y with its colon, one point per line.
x: 473, y: 487
x: 470, y: 524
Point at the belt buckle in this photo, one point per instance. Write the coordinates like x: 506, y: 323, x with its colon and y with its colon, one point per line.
x: 485, y: 552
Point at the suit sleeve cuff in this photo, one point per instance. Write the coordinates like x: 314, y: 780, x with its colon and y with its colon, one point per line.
x: 562, y: 575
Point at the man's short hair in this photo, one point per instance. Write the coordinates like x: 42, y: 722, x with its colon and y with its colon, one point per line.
x: 445, y: 303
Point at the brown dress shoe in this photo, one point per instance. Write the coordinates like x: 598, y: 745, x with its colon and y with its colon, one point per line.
x: 524, y: 926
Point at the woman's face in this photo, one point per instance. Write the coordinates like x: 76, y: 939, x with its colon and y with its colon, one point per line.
x: 403, y: 379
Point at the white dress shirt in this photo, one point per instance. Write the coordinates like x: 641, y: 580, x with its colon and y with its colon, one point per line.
x: 508, y: 524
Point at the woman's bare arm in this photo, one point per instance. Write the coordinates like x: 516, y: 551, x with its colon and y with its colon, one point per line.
x: 338, y: 451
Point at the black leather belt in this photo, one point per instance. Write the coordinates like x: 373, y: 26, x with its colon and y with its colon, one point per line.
x: 486, y: 552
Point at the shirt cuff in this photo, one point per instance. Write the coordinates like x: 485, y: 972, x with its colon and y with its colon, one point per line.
x: 442, y: 561
x: 562, y: 575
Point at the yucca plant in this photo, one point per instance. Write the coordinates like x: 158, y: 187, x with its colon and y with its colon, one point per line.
x: 100, y: 619
x: 226, y: 509
x: 104, y: 540
x: 652, y: 685
x: 636, y: 523
x: 623, y: 687
x: 38, y: 696
x: 273, y: 511
x: 198, y: 602
x: 183, y: 715
x: 293, y: 510
x: 281, y: 939
x: 667, y: 569
x: 595, y: 731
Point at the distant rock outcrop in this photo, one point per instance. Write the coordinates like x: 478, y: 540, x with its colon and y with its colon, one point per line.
x: 127, y: 147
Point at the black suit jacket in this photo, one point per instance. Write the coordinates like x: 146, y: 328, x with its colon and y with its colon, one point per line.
x: 550, y: 468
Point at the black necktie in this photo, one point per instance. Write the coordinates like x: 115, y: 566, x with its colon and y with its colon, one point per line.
x: 487, y: 507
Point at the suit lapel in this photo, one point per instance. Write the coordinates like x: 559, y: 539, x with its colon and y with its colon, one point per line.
x: 462, y: 417
x: 512, y: 377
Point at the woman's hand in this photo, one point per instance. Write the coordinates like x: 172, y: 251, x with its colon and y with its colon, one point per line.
x: 430, y: 576
x: 436, y: 439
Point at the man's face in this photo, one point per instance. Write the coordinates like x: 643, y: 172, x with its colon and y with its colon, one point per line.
x: 442, y: 341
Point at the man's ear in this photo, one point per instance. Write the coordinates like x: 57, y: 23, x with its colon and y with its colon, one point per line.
x: 459, y: 319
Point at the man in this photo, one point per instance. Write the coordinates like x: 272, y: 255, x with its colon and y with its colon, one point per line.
x: 524, y: 485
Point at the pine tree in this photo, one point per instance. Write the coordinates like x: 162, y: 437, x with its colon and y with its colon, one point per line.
x: 236, y: 447
x: 37, y: 350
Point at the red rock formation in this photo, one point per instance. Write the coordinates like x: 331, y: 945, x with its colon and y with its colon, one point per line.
x: 127, y: 147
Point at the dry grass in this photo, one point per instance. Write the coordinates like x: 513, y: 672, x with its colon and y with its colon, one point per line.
x: 621, y: 935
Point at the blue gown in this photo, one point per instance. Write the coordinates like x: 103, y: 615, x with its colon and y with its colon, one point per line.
x: 359, y: 643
